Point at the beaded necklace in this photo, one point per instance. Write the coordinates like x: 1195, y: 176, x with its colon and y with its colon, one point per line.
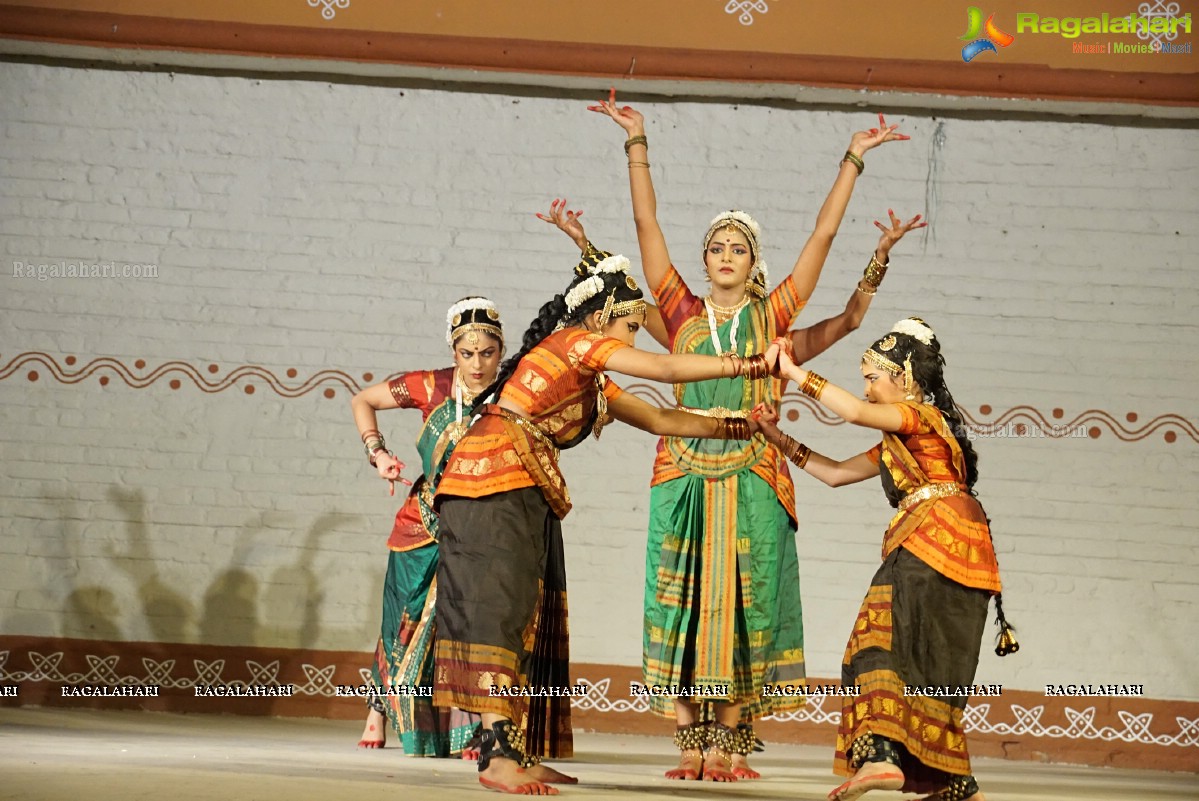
x: 462, y: 395
x: 727, y: 311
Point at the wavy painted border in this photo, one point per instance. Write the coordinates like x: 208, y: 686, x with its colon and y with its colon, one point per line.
x: 1018, y: 421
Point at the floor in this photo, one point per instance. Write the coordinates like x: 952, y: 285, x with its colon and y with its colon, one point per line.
x: 97, y: 756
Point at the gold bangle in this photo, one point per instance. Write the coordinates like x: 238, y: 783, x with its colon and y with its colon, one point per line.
x: 735, y: 427
x: 794, y: 451
x: 875, y: 271
x: 755, y: 367
x: 813, y: 385
x: 871, y: 291
x: 639, y: 164
x: 855, y: 160
x: 635, y: 140
x: 801, y: 456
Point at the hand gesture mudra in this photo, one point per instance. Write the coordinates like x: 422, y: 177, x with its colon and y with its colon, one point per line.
x: 894, y: 232
x: 625, y: 116
x: 566, y: 220
x: 389, y: 469
x: 868, y: 140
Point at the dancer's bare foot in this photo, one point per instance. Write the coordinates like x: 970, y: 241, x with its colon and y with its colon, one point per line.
x: 546, y: 774
x: 374, y: 735
x: 871, y: 776
x: 741, y: 768
x: 718, y: 767
x: 508, y: 777
x: 691, y: 765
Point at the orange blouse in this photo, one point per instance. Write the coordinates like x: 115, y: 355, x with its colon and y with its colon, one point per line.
x: 948, y: 532
x: 558, y: 383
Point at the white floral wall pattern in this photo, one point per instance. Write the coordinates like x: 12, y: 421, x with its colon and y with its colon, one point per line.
x: 745, y: 9
x: 329, y: 8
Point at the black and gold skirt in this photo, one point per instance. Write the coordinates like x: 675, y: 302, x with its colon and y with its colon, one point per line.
x: 502, y: 636
x: 913, y: 651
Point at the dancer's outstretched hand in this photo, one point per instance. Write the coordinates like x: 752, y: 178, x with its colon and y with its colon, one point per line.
x: 868, y: 140
x: 772, y: 357
x: 389, y: 468
x: 625, y: 116
x: 567, y: 221
x: 763, y: 419
x: 895, y: 232
x: 786, y: 366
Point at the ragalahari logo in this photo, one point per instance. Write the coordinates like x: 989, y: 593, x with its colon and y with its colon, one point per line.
x: 991, y: 37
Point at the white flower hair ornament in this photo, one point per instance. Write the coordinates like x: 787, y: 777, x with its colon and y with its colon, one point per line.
x: 915, y: 328
x: 584, y: 291
x: 454, y: 317
x: 739, y: 216
x: 612, y: 264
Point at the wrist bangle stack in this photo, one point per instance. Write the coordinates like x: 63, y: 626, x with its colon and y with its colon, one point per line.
x: 813, y: 385
x: 734, y: 428
x: 635, y: 140
x: 372, y: 443
x: 755, y: 367
x: 796, y: 452
x: 875, y: 272
x: 855, y: 160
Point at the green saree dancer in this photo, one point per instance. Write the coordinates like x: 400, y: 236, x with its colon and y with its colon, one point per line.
x: 722, y: 603
x: 403, y: 665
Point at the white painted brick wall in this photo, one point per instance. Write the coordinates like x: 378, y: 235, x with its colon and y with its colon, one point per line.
x: 314, y: 226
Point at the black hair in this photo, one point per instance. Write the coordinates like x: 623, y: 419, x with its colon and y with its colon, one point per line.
x: 554, y: 315
x: 928, y: 370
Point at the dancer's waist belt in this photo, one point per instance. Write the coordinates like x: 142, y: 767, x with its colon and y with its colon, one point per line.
x: 716, y: 411
x: 929, y: 491
x: 522, y: 422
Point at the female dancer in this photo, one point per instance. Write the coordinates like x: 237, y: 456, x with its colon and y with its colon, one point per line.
x: 403, y: 656
x: 722, y: 600
x: 502, y: 642
x: 923, y: 616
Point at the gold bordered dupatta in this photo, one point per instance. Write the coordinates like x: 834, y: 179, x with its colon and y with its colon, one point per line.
x: 908, y: 477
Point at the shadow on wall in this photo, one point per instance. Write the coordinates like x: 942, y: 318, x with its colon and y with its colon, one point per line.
x: 241, y: 606
x: 167, y: 613
x: 294, y: 596
x: 88, y: 612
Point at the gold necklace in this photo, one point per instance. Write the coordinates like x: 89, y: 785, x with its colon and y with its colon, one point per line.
x: 727, y: 311
x: 468, y: 396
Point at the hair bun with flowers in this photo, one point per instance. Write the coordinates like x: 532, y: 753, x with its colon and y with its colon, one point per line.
x: 595, y: 265
x: 915, y: 328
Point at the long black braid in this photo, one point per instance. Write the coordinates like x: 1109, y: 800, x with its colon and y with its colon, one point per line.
x: 542, y: 326
x: 618, y: 287
x: 928, y: 371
